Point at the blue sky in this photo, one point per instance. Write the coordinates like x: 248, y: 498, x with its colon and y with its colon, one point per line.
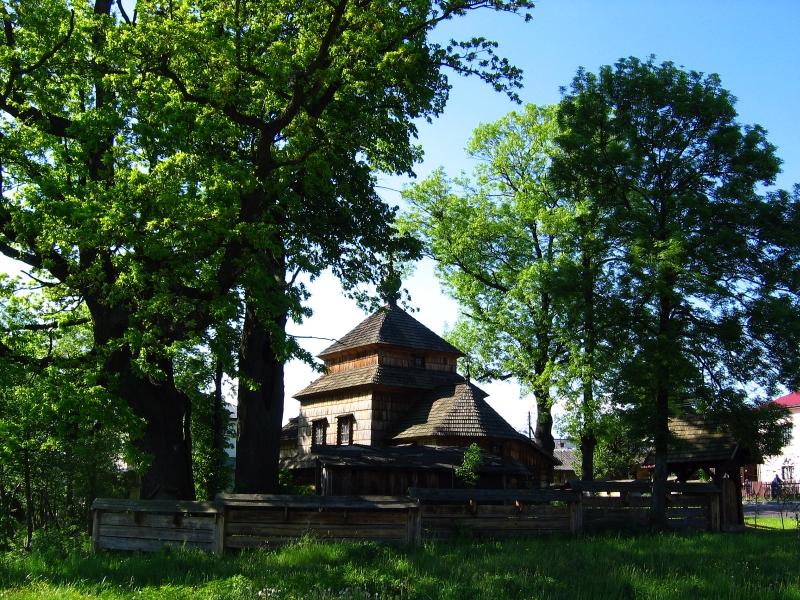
x: 753, y: 46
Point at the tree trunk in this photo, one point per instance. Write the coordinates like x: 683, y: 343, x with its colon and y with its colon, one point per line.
x: 216, y: 481
x: 260, y: 403
x: 544, y: 423
x: 26, y: 473
x: 661, y: 437
x: 588, y: 444
x: 589, y: 417
x: 166, y: 439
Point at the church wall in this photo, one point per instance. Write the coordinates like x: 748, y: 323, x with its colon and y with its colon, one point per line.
x: 387, y: 408
x: 363, y: 359
x: 418, y: 360
x: 358, y: 404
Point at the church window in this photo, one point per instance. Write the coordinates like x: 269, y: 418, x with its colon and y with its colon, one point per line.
x: 788, y: 472
x: 319, y: 431
x: 344, y: 430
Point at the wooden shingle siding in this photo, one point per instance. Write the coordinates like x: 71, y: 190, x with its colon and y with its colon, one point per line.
x: 357, y: 405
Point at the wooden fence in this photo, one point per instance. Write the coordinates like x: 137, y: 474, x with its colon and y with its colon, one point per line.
x: 152, y: 524
x: 625, y: 505
x: 447, y: 513
x: 248, y: 520
x: 251, y: 520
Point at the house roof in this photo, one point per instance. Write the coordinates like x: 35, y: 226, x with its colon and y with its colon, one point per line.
x: 392, y: 326
x: 416, y: 457
x: 289, y: 431
x: 568, y: 458
x: 791, y: 400
x: 697, y: 440
x: 395, y: 377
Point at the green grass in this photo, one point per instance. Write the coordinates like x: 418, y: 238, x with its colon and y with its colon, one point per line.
x: 755, y: 564
x: 788, y: 524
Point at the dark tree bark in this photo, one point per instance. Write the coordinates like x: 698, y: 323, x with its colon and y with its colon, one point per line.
x: 26, y: 473
x: 165, y: 410
x: 661, y: 436
x: 588, y: 444
x: 260, y: 400
x: 588, y: 438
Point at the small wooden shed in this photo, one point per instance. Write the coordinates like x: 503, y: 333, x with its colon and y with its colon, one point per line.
x: 698, y: 442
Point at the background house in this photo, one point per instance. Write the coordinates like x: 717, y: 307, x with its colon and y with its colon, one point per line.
x: 787, y: 463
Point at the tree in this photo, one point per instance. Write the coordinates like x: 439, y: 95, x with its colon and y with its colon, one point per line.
x: 179, y: 168
x: 707, y: 260
x: 61, y: 434
x: 498, y: 243
x: 316, y: 96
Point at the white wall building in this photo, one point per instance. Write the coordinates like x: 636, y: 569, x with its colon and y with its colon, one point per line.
x: 787, y: 464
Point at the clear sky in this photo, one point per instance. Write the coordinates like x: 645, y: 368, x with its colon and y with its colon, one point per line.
x: 753, y: 46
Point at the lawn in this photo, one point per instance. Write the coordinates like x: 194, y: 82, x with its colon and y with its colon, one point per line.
x: 759, y: 564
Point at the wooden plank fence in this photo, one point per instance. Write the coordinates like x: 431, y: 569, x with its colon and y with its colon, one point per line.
x: 235, y: 521
x: 625, y: 505
x: 152, y: 524
x: 496, y: 514
x: 251, y: 520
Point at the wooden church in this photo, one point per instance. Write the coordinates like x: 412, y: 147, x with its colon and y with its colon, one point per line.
x: 391, y: 412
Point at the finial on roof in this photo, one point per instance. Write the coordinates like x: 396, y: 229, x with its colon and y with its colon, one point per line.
x: 390, y: 284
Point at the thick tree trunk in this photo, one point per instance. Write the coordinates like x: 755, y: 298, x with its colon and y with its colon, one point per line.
x: 165, y: 411
x: 589, y: 417
x: 260, y: 404
x: 588, y: 444
x: 544, y: 422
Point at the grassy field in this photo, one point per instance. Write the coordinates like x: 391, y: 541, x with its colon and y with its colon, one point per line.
x: 758, y: 564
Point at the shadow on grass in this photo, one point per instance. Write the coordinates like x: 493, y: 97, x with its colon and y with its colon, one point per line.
x: 755, y: 563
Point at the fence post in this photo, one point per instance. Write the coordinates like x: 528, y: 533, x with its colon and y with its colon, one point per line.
x: 714, y: 512
x: 95, y: 530
x: 576, y: 515
x: 414, y: 531
x: 219, y: 529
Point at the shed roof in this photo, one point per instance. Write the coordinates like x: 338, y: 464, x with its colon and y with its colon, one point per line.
x: 391, y: 325
x: 395, y: 377
x: 697, y: 440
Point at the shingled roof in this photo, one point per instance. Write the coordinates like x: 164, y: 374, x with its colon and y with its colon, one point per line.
x: 455, y: 410
x: 394, y: 377
x: 434, y: 458
x: 697, y: 440
x: 393, y: 326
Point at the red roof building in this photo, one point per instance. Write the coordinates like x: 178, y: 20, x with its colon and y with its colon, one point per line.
x: 789, y: 400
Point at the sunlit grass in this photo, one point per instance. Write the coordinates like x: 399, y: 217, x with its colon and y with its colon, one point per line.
x: 758, y: 563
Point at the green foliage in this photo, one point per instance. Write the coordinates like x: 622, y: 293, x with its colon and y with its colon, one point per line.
x: 751, y: 564
x: 496, y: 239
x: 707, y: 285
x: 468, y: 473
x: 169, y: 170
